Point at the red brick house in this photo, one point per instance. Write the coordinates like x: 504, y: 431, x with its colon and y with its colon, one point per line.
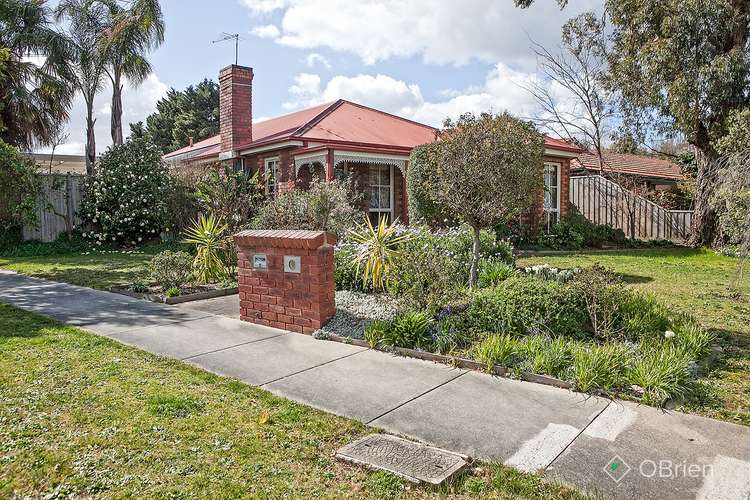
x: 334, y: 139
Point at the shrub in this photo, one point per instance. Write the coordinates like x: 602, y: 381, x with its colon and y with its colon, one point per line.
x: 171, y: 269
x: 643, y: 317
x: 375, y: 332
x: 377, y: 249
x: 692, y: 339
x: 172, y: 292
x: 460, y: 242
x: 522, y: 305
x: 575, y: 231
x: 547, y: 356
x: 325, y: 206
x: 345, y: 274
x: 426, y: 275
x: 492, y: 273
x: 495, y: 350
x: 126, y: 200
x: 411, y: 329
x: 230, y: 195
x: 603, y: 367
x: 215, y: 256
x: 603, y: 293
x: 663, y: 374
x: 450, y: 334
x: 19, y: 188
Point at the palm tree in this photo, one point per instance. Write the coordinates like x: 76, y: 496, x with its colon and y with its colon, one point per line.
x: 131, y: 33
x: 86, y: 21
x: 35, y: 74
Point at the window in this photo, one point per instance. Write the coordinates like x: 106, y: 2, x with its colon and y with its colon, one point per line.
x: 381, y: 193
x: 272, y: 167
x: 551, y: 194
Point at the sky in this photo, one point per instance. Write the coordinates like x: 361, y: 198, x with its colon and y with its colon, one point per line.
x: 422, y: 59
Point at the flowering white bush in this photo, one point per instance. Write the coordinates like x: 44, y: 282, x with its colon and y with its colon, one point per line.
x: 544, y: 271
x: 126, y: 199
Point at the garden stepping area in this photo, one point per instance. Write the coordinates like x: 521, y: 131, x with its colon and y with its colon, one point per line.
x: 573, y: 437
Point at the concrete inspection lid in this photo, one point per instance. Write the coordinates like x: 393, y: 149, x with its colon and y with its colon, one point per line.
x: 414, y: 462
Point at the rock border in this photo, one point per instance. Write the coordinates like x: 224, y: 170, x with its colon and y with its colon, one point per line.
x: 162, y: 299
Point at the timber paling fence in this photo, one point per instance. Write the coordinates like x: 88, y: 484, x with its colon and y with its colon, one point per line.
x: 603, y: 201
x: 60, y: 198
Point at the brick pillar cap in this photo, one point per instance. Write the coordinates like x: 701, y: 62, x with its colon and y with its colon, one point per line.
x: 282, y: 238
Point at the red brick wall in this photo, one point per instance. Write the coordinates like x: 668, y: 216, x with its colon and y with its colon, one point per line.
x: 299, y: 302
x: 235, y: 107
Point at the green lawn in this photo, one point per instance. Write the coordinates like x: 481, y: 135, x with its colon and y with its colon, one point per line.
x: 95, y: 270
x: 82, y: 415
x: 698, y: 282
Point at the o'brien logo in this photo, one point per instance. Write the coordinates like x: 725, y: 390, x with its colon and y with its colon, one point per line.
x: 617, y: 469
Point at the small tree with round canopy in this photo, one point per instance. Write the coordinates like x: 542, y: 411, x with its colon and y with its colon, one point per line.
x: 484, y: 170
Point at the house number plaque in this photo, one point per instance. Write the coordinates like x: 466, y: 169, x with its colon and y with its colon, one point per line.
x: 291, y: 264
x: 260, y: 261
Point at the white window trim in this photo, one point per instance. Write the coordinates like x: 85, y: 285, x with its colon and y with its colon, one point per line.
x: 558, y: 168
x: 266, y: 164
x: 390, y: 178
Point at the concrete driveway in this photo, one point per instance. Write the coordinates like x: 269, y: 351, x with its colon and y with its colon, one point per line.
x: 611, y: 448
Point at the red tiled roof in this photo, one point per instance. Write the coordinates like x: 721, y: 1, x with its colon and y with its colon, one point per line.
x: 553, y: 143
x: 644, y: 166
x: 340, y: 121
x: 350, y: 122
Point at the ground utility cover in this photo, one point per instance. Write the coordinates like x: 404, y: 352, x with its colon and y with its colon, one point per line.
x: 413, y: 461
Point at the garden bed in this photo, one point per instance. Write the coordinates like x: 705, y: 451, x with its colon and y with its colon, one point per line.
x: 578, y: 328
x: 188, y: 293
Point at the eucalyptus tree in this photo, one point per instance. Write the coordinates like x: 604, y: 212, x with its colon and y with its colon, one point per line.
x: 35, y: 74
x: 133, y: 29
x: 85, y: 22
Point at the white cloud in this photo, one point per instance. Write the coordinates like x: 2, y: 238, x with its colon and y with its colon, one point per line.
x: 502, y: 90
x: 137, y: 104
x: 264, y: 6
x: 266, y: 31
x: 312, y: 59
x: 440, y: 32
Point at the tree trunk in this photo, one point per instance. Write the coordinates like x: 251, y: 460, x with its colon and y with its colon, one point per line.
x: 474, y: 271
x: 704, y: 226
x: 90, y: 139
x: 116, y: 124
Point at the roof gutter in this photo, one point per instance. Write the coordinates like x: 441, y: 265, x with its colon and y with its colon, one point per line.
x: 272, y: 147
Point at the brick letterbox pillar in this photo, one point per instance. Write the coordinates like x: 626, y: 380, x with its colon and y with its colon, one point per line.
x: 286, y: 278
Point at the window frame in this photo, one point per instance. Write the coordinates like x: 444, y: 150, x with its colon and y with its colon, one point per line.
x: 390, y: 210
x: 558, y: 170
x: 271, y: 164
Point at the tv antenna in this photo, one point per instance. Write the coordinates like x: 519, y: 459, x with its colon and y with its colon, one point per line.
x: 230, y: 36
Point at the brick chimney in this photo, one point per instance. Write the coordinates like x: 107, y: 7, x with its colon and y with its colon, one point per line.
x: 235, y: 109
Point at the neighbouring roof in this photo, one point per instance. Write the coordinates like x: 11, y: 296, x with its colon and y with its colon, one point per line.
x: 644, y: 166
x: 74, y: 164
x: 341, y: 122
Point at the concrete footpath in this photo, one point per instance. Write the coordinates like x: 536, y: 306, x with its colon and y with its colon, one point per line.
x: 611, y: 448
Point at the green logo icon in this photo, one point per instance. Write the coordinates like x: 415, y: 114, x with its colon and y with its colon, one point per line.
x: 617, y: 469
